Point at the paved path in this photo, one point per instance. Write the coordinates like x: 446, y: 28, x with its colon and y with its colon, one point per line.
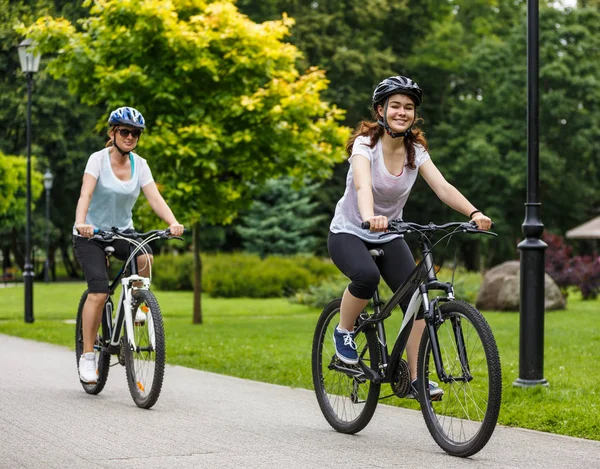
x: 205, y: 420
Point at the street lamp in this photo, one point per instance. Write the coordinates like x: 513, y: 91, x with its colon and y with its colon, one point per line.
x: 531, y: 340
x: 48, y: 180
x: 30, y: 64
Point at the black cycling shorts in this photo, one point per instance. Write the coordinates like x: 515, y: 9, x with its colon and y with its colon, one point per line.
x: 92, y: 259
x: 351, y: 255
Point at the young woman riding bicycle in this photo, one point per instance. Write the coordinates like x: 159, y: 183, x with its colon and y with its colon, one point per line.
x: 385, y: 156
x: 111, y: 185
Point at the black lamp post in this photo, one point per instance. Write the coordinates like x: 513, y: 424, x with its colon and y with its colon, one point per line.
x: 531, y: 339
x: 48, y: 180
x: 30, y: 64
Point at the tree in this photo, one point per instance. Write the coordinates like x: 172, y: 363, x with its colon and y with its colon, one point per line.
x: 281, y: 220
x: 13, y: 197
x: 61, y: 126
x: 482, y: 147
x: 227, y: 107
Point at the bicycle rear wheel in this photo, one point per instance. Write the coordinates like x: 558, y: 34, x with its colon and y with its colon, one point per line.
x: 102, y: 340
x: 463, y: 420
x: 145, y: 366
x: 347, y: 398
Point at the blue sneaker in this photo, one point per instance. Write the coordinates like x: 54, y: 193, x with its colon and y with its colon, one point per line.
x: 435, y: 392
x: 345, y: 348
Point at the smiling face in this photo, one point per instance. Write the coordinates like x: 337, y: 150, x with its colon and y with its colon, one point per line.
x: 126, y: 137
x: 400, y: 112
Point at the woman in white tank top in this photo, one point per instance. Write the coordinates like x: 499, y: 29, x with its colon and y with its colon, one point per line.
x: 111, y: 185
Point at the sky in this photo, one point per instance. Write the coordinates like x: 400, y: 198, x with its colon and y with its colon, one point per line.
x: 566, y: 3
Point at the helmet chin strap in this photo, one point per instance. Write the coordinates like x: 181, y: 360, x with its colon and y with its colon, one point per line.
x: 117, y: 147
x: 386, y: 126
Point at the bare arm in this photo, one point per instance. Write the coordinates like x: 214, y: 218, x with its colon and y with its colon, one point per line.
x: 83, y: 204
x: 450, y: 195
x: 161, y: 208
x: 361, y: 169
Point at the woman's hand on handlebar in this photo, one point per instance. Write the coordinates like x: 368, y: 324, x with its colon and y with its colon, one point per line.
x: 176, y: 229
x: 87, y: 231
x: 378, y: 223
x: 483, y: 223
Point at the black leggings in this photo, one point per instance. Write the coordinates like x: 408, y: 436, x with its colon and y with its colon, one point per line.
x: 92, y: 259
x: 351, y: 255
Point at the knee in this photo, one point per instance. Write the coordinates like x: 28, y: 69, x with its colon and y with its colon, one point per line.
x: 364, y: 284
x: 97, y: 299
x: 144, y: 262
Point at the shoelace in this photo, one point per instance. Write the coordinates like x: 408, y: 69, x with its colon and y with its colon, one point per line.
x: 349, y: 340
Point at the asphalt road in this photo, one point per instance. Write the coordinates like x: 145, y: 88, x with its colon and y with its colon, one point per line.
x: 205, y: 420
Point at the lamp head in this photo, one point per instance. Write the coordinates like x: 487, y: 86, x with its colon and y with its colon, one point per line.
x: 30, y: 62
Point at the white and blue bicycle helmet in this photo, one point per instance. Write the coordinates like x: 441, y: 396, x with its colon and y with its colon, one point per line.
x: 127, y: 116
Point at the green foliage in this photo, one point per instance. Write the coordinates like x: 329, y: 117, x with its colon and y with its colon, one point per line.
x: 226, y: 107
x: 61, y: 127
x: 280, y: 220
x: 482, y: 145
x: 242, y: 275
x: 13, y: 187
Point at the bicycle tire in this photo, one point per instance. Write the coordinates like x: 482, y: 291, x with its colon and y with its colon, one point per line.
x: 348, y: 403
x: 463, y: 420
x: 145, y: 367
x: 102, y: 354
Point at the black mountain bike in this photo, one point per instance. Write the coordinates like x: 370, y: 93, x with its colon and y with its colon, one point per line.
x: 134, y: 332
x: 457, y: 350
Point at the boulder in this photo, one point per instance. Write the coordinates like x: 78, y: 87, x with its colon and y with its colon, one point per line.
x: 500, y: 290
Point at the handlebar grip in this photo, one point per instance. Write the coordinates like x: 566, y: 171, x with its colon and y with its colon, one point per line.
x: 475, y: 224
x: 365, y: 225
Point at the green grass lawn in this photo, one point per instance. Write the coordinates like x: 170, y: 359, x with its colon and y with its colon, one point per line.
x: 270, y: 340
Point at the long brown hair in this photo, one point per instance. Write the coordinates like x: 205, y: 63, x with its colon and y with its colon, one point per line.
x: 374, y: 131
x: 110, y: 131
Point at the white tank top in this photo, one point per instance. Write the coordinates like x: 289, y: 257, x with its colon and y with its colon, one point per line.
x: 113, y: 199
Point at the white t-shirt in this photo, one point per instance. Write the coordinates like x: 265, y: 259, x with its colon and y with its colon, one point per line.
x: 113, y: 199
x: 390, y: 192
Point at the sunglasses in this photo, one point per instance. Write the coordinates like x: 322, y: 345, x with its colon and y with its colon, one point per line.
x: 135, y: 133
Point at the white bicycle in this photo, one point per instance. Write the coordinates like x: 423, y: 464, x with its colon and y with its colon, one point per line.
x: 140, y: 345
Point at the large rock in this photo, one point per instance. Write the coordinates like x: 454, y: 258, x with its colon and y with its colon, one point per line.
x: 500, y: 290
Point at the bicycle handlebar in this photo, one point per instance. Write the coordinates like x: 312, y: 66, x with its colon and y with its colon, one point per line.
x: 404, y: 227
x: 109, y: 235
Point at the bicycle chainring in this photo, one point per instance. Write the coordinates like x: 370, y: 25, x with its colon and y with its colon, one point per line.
x: 401, y: 380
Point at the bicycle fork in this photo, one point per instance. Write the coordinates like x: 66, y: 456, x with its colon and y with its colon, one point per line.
x: 434, y: 318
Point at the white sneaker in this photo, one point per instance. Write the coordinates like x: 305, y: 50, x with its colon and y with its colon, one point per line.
x: 87, y: 368
x: 140, y: 318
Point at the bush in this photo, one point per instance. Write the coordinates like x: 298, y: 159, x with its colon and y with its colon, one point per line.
x: 242, y: 275
x: 567, y: 270
x: 466, y: 286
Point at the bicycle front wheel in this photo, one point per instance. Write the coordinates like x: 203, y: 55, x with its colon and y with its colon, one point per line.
x: 463, y: 419
x: 145, y: 366
x: 100, y: 346
x: 346, y: 397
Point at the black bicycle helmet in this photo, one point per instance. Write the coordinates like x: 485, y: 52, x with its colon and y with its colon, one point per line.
x: 388, y: 87
x: 397, y: 84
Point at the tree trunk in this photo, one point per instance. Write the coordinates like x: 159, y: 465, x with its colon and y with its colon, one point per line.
x: 197, y: 275
x: 471, y: 256
x: 69, y: 266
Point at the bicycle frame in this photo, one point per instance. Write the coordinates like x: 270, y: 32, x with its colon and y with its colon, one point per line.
x: 420, y: 282
x: 124, y: 305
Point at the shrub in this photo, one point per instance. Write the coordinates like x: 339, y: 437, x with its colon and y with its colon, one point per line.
x: 242, y: 274
x: 567, y: 270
